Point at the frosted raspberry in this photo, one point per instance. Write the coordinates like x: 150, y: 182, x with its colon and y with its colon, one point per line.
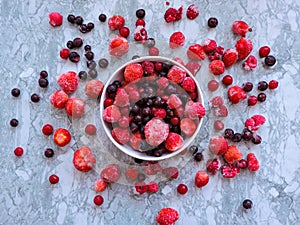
x: 118, y: 46
x: 174, y: 101
x: 55, y: 19
x: 121, y: 135
x: 116, y: 22
x: 122, y: 98
x: 188, y: 84
x: 176, y: 74
x: 156, y: 132
x: 243, y: 47
x: 193, y: 67
x: 174, y: 142
x: 75, y: 107
x: 217, y: 67
x: 94, y: 88
x: 68, y: 81
x: 134, y: 96
x: 194, y: 110
x: 177, y: 40
x: 196, y: 52
x: 135, y: 141
x: 209, y: 45
x: 221, y: 111
x: 233, y: 154
x: 124, y: 121
x: 250, y: 124
x: 140, y: 34
x: 159, y: 113
x: 148, y: 67
x: 229, y: 171
x: 230, y: 57
x: 214, y: 56
x: 250, y: 63
x: 253, y: 164
x: 240, y: 28
x: 273, y: 84
x: 163, y: 82
x: 218, y: 145
x: 188, y: 126
x: 111, y: 114
x: 59, y: 99
x: 100, y: 185
x: 213, y: 166
x: 192, y: 12
x: 170, y: 15
x: 216, y: 102
x: 133, y: 72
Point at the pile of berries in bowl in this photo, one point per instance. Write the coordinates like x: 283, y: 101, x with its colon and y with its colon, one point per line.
x: 152, y: 108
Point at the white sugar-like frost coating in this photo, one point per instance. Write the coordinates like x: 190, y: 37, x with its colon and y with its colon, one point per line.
x: 156, y: 132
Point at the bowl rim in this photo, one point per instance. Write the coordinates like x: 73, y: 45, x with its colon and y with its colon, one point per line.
x: 129, y: 151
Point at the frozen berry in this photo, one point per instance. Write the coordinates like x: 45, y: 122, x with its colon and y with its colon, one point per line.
x: 240, y: 28
x: 262, y: 85
x: 71, y: 18
x: 242, y: 164
x: 201, y: 179
x: 78, y: 42
x: 153, y: 187
x: 198, y: 157
x: 64, y: 53
x: 261, y: 97
x: 217, y: 67
x: 94, y: 88
x: 247, y: 204
x: 273, y: 84
x: 252, y: 100
x: 218, y: 145
x: 90, y: 129
x: 84, y: 159
x: 78, y: 20
x: 196, y: 52
x: 14, y: 122
x: 68, y: 81
x: 213, y: 166
x: 116, y: 22
x: 230, y: 57
x: 140, y: 34
x: 43, y: 83
x: 90, y: 26
x: 264, y: 51
x: 140, y: 22
x: 218, y: 125
x: 194, y: 110
x: 43, y: 74
x: 74, y: 57
x: 213, y: 85
x: 89, y: 55
x: 82, y: 75
x: 59, y: 99
x: 87, y: 48
x: 18, y: 151
x: 182, y: 189
x: 35, y: 98
x: 176, y: 74
x: 102, y: 17
x: 212, y: 22
x: 233, y: 154
x: 244, y: 47
x: 111, y: 173
x: 228, y: 133
x: 140, y: 13
x: 103, y: 63
x: 248, y: 86
x: 98, y: 200
x: 15, y: 92
x: 192, y: 12
x: 47, y: 129
x: 250, y: 63
x: 62, y: 137
x: 55, y: 19
x: 75, y: 107
x: 150, y: 42
x: 153, y: 51
x: 124, y: 32
x: 173, y: 142
x: 237, y: 137
x: 229, y: 170
x: 49, y: 152
x: 53, y: 179
x: 177, y: 39
x: 253, y: 164
x: 236, y: 94
x: 118, y: 46
x: 193, y: 67
x: 188, y: 127
x: 227, y: 80
x: 156, y: 132
x: 100, y: 185
x: 167, y: 216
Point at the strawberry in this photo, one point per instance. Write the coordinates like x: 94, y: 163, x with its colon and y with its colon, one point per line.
x: 217, y: 67
x: 196, y: 52
x: 83, y: 159
x: 236, y: 94
x: 250, y: 124
x: 188, y: 84
x: 194, y: 110
x: 233, y: 154
x: 201, y: 179
x: 243, y: 46
x: 213, y: 166
x: 121, y: 135
x: 132, y: 173
x: 62, y: 137
x: 193, y: 67
x: 174, y: 101
x: 156, y: 132
x: 240, y: 28
x: 229, y: 171
x: 118, y: 46
x: 153, y: 187
x: 141, y: 187
x: 122, y: 98
x: 167, y: 216
x: 192, y: 12
x: 177, y: 40
x: 94, y: 88
x: 100, y: 185
x: 250, y: 63
x: 75, y: 107
x: 171, y: 172
x: 133, y: 72
x: 116, y: 22
x: 111, y: 173
x: 188, y: 126
x: 135, y: 141
x: 59, y: 99
x: 253, y: 164
x: 68, y: 81
x: 163, y: 82
x: 173, y: 142
x: 55, y: 19
x: 218, y: 145
x: 176, y: 74
x: 209, y: 45
x: 111, y: 114
x: 230, y: 57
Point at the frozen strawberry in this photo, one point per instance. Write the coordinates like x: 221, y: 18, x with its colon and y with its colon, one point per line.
x: 121, y: 135
x: 213, y: 166
x: 68, y: 81
x: 59, y: 99
x: 156, y: 132
x: 230, y: 57
x: 240, y: 28
x: 253, y: 164
x: 140, y: 34
x: 141, y: 187
x: 216, y: 102
x: 177, y: 40
x: 221, y: 111
x: 243, y: 47
x: 124, y: 121
x: 174, y: 142
x: 194, y: 110
x: 62, y: 137
x: 163, y: 82
x: 122, y: 98
x: 132, y: 173
x: 188, y: 84
x: 100, y: 185
x: 75, y: 107
x: 111, y: 173
x: 176, y: 74
x: 250, y: 63
x: 192, y: 12
x: 83, y: 159
x: 196, y: 52
x: 233, y: 154
x: 193, y: 67
x: 135, y: 141
x: 179, y: 13
x: 209, y: 45
x: 174, y: 101
x: 229, y: 171
x: 236, y: 94
x: 111, y: 114
x: 170, y: 172
x: 217, y: 67
x: 188, y: 126
x: 159, y: 113
x: 55, y: 19
x: 118, y: 46
x: 116, y: 22
x: 133, y: 72
x: 153, y: 187
x: 218, y: 145
x: 94, y: 88
x: 201, y: 179
x: 167, y: 216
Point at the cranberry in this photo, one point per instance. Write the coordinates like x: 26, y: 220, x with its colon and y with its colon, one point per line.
x: 237, y: 137
x: 140, y: 22
x: 98, y: 200
x: 124, y: 32
x: 102, y: 17
x: 90, y: 26
x: 77, y: 42
x: 43, y: 83
x: 218, y: 125
x: 49, y: 152
x: 252, y: 100
x: 198, y: 156
x: 15, y: 92
x: 71, y: 18
x: 70, y: 44
x: 82, y: 75
x: 248, y: 86
x: 213, y: 85
x: 264, y: 51
x: 261, y: 97
x: 64, y: 53
x: 35, y: 98
x: 78, y: 20
x: 47, y: 129
x: 18, y: 151
x: 262, y: 85
x: 108, y: 102
x: 212, y: 22
x: 153, y: 51
x: 90, y: 129
x: 14, y: 122
x: 182, y: 189
x: 247, y: 204
x: 273, y: 84
x: 74, y: 57
x: 227, y: 80
x: 87, y: 48
x: 140, y: 13
x: 43, y: 74
x: 228, y: 133
x: 270, y: 60
x: 53, y: 179
x: 103, y: 63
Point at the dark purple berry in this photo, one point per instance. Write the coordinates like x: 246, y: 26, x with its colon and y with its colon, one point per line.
x: 78, y: 20
x: 14, y: 122
x: 228, y: 133
x: 140, y: 13
x: 111, y: 89
x: 91, y: 64
x: 49, y: 153
x: 102, y: 17
x: 237, y: 137
x: 261, y: 97
x: 87, y: 48
x: 74, y: 57
x: 158, y: 152
x: 247, y: 135
x: 83, y: 28
x: 150, y: 42
x: 89, y: 55
x: 262, y: 85
x: 90, y: 26
x: 70, y: 45
x: 77, y: 42
x: 248, y: 86
x: 35, y: 98
x: 193, y: 149
x: 270, y: 60
x: 15, y: 92
x: 117, y: 83
x: 212, y: 22
x: 43, y: 74
x: 43, y: 83
x: 82, y: 75
x: 71, y: 18
x: 256, y: 139
x: 198, y: 156
x: 247, y: 204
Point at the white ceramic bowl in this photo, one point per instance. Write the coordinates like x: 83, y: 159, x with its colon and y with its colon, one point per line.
x: 117, y: 75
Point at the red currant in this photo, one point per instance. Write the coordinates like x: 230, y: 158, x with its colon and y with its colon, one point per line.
x: 90, y: 129
x: 252, y: 100
x: 64, y: 53
x: 53, y: 179
x: 213, y: 85
x: 264, y: 51
x: 140, y: 22
x: 182, y: 189
x: 124, y: 32
x: 273, y: 84
x: 19, y: 151
x: 227, y: 80
x: 47, y: 129
x: 98, y: 200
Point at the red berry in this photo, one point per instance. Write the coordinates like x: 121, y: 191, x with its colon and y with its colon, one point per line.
x: 153, y: 51
x: 264, y: 51
x: 118, y: 46
x: 83, y: 159
x: 233, y: 154
x: 140, y: 34
x: 124, y: 32
x: 250, y: 63
x: 90, y: 129
x: 244, y: 47
x: 241, y: 28
x: 59, y: 99
x: 213, y: 85
x: 140, y: 22
x: 93, y: 88
x: 121, y: 135
x: 217, y: 67
x: 141, y: 187
x: 47, y: 129
x: 173, y: 14
x: 216, y: 102
x: 132, y: 173
x: 122, y: 98
x: 218, y: 125
x: 201, y: 179
x: 64, y: 53
x: 236, y: 94
x: 171, y: 172
x: 193, y: 67
x: 174, y: 101
x: 75, y: 107
x: 68, y: 81
x: 53, y: 179
x: 188, y: 127
x: 62, y: 137
x: 196, y: 52
x: 252, y: 100
x: 273, y: 84
x: 156, y: 132
x: 18, y: 151
x: 98, y: 200
x: 108, y: 102
x: 221, y: 111
x: 253, y: 164
x: 192, y: 12
x: 133, y: 72
x: 111, y: 173
x: 229, y: 171
x: 242, y: 164
x: 111, y: 114
x: 209, y: 45
x: 213, y: 166
x: 176, y: 74
x: 153, y: 187
x: 230, y: 57
x: 173, y: 142
x: 182, y: 189
x: 177, y: 39
x: 218, y: 145
x: 194, y: 110
x: 55, y: 19
x: 167, y: 216
x: 116, y: 22
x: 227, y: 80
x: 100, y: 185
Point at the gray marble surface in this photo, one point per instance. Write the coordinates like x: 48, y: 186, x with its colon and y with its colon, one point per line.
x: 29, y: 44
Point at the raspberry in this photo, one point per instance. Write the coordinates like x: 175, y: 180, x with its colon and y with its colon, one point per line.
x: 122, y: 98
x: 55, y: 19
x: 240, y: 28
x: 188, y: 84
x: 141, y: 187
x: 171, y: 172
x: 100, y: 185
x: 218, y: 125
x: 120, y: 135
x: 153, y: 187
x: 230, y: 57
x: 193, y: 67
x: 264, y: 51
x: 83, y: 159
x: 132, y: 173
x: 229, y: 171
x: 201, y: 179
x: 68, y: 81
x: 188, y: 126
x: 209, y: 45
x: 216, y: 102
x: 273, y: 84
x: 236, y: 94
x: 173, y: 142
x: 243, y: 47
x: 159, y: 113
x: 94, y: 88
x: 111, y: 114
x: 62, y: 137
x: 177, y: 40
x: 47, y: 129
x: 124, y: 32
x: 156, y: 132
x: 196, y: 52
x: 176, y: 74
x: 64, y: 53
x: 133, y: 72
x: 162, y: 82
x: 253, y: 164
x: 118, y: 46
x: 179, y: 13
x: 194, y: 110
x: 250, y: 124
x: 174, y: 101
x: 148, y: 67
x: 111, y: 173
x: 124, y: 121
x: 217, y: 67
x: 218, y: 145
x: 221, y: 111
x: 116, y: 22
x: 242, y: 164
x: 170, y: 15
x: 140, y: 34
x: 233, y: 154
x: 75, y: 107
x: 167, y: 216
x: 213, y: 166
x: 135, y: 141
x: 192, y: 12
x: 250, y: 63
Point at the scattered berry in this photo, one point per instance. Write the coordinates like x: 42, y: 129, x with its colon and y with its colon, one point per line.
x: 217, y: 67
x: 193, y: 67
x: 273, y: 84
x: 247, y: 204
x: 98, y: 200
x: 230, y: 57
x: 242, y: 164
x: 264, y: 51
x: 252, y: 100
x: 236, y: 94
x: 75, y: 107
x: 64, y: 53
x: 262, y: 85
x: 53, y: 179
x: 153, y: 187
x: 35, y: 98
x: 177, y: 39
x: 118, y: 46
x: 124, y: 32
x: 18, y: 151
x: 171, y: 172
x: 68, y: 81
x: 228, y: 133
x: 227, y: 80
x: 233, y: 154
x: 116, y: 22
x: 218, y: 145
x: 213, y: 166
x: 172, y: 14
x: 192, y: 12
x: 140, y: 34
x: 121, y: 135
x: 55, y: 19
x: 198, y: 157
x: 49, y: 152
x: 61, y: 137
x: 140, y: 13
x: 194, y: 110
x: 261, y: 97
x: 182, y: 189
x: 47, y: 129
x: 213, y: 85
x: 229, y: 171
x: 132, y: 174
x: 243, y: 47
x: 167, y: 216
x: 196, y: 52
x: 253, y: 164
x: 201, y: 179
x: 14, y: 122
x: 212, y: 22
x: 90, y: 129
x: 250, y: 63
x: 240, y: 28
x: 111, y: 173
x: 247, y: 87
x: 15, y: 92
x: 59, y: 99
x: 94, y: 88
x: 102, y: 17
x: 218, y: 125
x: 141, y: 187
